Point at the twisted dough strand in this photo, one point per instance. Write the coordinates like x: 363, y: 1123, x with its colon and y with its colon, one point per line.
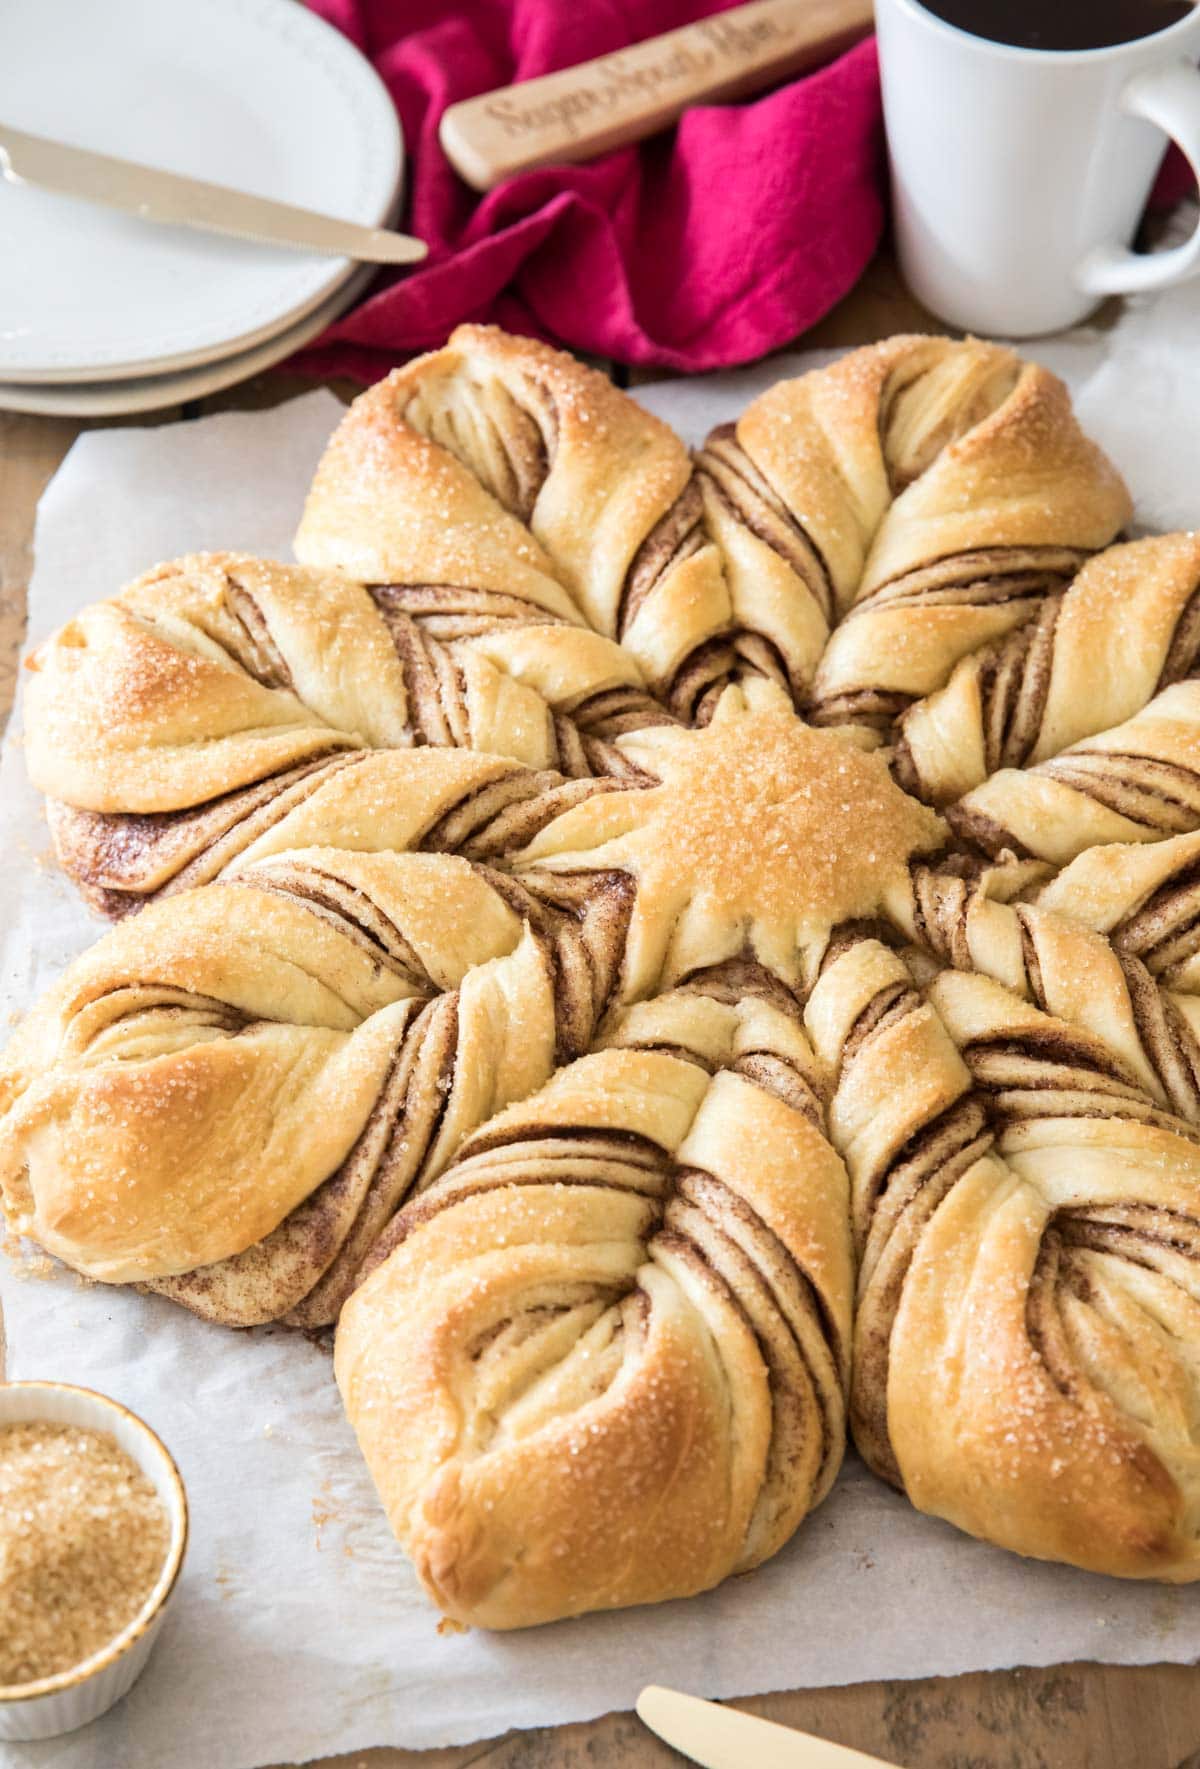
x: 1028, y: 1288
x: 1139, y: 781
x: 228, y: 1100
x: 605, y: 1281
x: 214, y: 694
x: 1128, y: 627
x: 1107, y: 980
x: 905, y: 1145
x: 1145, y: 899
x: 934, y: 490
x: 377, y: 800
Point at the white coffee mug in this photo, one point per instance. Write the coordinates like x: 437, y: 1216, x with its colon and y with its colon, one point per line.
x: 1019, y: 175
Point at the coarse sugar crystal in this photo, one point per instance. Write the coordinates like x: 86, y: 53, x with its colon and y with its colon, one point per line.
x: 83, y: 1538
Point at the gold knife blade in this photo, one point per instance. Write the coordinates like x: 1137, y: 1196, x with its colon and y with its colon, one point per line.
x: 723, y: 1738
x: 155, y: 195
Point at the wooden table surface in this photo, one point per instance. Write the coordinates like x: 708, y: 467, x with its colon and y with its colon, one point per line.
x: 1066, y: 1717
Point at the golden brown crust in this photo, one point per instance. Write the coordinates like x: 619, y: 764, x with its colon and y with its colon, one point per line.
x: 233, y: 1094
x: 219, y: 687
x: 603, y: 1364
x: 1026, y: 1222
x: 756, y: 834
x: 937, y: 489
x: 647, y: 899
x: 1139, y: 781
x: 1128, y: 625
x: 537, y: 569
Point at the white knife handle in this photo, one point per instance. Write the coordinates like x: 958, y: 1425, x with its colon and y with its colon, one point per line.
x: 723, y: 1738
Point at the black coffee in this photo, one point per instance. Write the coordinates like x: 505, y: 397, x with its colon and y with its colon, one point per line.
x: 1060, y: 24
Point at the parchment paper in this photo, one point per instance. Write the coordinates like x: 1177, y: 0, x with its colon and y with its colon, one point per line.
x: 298, y: 1629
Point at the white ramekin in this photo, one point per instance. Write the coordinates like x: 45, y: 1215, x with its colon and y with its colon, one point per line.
x: 72, y: 1698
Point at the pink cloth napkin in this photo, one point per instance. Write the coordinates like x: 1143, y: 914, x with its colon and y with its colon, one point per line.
x: 703, y: 247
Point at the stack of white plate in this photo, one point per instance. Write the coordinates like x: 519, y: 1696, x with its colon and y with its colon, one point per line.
x: 102, y: 313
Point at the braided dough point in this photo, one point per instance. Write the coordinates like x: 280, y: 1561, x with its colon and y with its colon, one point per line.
x: 937, y: 489
x: 603, y: 1362
x: 1027, y: 1291
x: 1050, y: 1310
x: 211, y: 688
x: 1128, y: 625
x: 217, y: 1097
x: 973, y: 492
x: 529, y: 454
x: 1139, y: 781
x: 377, y: 800
x: 166, y: 696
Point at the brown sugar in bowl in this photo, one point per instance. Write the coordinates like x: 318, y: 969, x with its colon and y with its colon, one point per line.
x: 72, y: 1697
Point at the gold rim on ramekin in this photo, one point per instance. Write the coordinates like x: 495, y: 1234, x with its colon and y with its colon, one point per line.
x: 165, y: 1583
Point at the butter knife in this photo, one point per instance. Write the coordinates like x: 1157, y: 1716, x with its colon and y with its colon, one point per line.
x: 154, y: 195
x: 723, y: 1738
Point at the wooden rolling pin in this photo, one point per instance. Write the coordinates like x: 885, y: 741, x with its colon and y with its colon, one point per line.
x: 618, y: 98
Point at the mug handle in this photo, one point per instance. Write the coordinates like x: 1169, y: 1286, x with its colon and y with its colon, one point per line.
x: 1170, y: 99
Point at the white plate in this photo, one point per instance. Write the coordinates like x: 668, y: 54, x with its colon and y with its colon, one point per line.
x: 151, y: 392
x: 260, y: 94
